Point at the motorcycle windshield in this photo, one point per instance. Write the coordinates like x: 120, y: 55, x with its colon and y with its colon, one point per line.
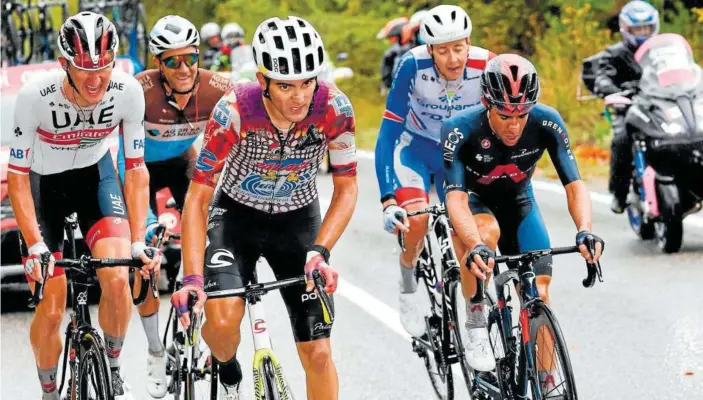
x: 667, y: 65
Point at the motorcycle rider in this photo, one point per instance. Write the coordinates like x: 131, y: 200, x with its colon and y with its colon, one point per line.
x: 618, y: 71
x: 210, y: 34
x: 392, y: 32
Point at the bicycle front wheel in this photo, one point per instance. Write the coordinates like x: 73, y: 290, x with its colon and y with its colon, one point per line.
x: 555, y: 376
x: 94, y: 381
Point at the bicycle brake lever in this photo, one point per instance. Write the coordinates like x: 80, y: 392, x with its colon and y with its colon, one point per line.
x: 401, y: 241
x: 154, y: 286
x: 325, y: 300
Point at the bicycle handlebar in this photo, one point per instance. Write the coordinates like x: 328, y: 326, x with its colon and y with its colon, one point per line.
x: 78, y: 265
x: 263, y: 288
x: 435, y: 210
x: 594, y: 270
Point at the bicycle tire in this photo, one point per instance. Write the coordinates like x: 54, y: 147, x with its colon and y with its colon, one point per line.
x: 92, y: 353
x: 173, y: 360
x: 269, y: 377
x: 541, y: 314
x: 443, y: 388
x: 192, y: 376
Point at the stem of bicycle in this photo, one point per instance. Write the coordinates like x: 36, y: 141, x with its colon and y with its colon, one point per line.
x: 257, y: 319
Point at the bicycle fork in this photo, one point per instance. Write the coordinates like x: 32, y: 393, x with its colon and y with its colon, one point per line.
x: 266, y: 364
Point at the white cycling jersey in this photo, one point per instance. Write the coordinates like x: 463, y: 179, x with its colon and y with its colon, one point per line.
x: 53, y: 135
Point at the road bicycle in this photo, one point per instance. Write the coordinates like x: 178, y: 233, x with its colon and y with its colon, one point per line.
x: 269, y: 380
x: 129, y: 17
x: 84, y: 350
x: 45, y: 33
x: 441, y: 345
x: 17, y: 38
x: 521, y: 349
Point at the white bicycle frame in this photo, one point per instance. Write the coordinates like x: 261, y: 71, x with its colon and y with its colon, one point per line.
x: 263, y: 352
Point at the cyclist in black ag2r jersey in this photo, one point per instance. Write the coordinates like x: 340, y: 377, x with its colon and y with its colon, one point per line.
x: 490, y: 153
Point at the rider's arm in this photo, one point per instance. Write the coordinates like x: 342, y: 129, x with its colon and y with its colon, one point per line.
x: 457, y: 198
x: 136, y: 176
x: 217, y: 143
x: 21, y: 153
x: 343, y: 165
x: 392, y: 125
x: 605, y: 73
x: 559, y: 148
x: 151, y: 220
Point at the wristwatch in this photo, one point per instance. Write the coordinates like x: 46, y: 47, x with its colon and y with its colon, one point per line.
x: 322, y: 250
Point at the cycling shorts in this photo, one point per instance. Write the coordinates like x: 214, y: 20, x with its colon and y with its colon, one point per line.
x: 92, y: 192
x: 238, y: 235
x: 173, y: 174
x: 521, y: 225
x: 414, y: 159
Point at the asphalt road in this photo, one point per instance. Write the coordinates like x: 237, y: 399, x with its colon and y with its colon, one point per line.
x: 638, y: 335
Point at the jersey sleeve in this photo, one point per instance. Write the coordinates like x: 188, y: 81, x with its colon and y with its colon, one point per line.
x: 221, y: 134
x: 24, y: 132
x: 393, y: 122
x: 452, y: 140
x: 341, y: 136
x: 559, y: 147
x: 132, y: 125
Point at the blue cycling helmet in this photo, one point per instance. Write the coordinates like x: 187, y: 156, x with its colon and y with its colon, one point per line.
x: 634, y: 16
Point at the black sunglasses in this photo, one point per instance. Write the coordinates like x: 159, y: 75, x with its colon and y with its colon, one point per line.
x: 174, y: 62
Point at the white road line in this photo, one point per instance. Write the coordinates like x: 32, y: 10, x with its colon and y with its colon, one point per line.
x: 546, y: 186
x: 365, y: 300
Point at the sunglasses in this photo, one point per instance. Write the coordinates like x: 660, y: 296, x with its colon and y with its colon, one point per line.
x: 174, y: 62
x: 85, y: 62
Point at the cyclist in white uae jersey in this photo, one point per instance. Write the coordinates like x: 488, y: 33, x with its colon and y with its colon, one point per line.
x: 60, y: 164
x: 432, y: 82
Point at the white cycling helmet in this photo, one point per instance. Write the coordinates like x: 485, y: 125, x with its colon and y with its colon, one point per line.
x: 418, y: 16
x: 172, y: 32
x: 232, y: 30
x: 209, y: 30
x: 89, y: 41
x: 288, y: 49
x: 444, y: 24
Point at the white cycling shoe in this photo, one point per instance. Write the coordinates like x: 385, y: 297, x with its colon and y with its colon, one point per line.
x: 156, y: 376
x: 477, y: 349
x: 413, y: 309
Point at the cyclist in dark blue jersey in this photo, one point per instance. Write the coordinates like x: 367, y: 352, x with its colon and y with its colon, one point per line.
x: 489, y: 153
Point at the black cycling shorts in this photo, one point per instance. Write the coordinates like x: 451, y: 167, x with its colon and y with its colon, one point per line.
x: 92, y: 192
x: 173, y: 174
x: 238, y: 235
x: 521, y: 225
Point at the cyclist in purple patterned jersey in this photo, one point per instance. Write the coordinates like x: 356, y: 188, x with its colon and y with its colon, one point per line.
x: 267, y: 139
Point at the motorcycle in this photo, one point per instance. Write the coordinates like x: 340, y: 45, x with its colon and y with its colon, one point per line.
x: 665, y: 118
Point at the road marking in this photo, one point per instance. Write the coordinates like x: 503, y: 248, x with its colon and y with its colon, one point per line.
x: 365, y: 300
x: 546, y: 186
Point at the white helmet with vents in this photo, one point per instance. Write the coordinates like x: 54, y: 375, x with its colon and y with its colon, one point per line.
x: 209, y: 30
x: 444, y: 24
x: 172, y: 32
x: 288, y: 49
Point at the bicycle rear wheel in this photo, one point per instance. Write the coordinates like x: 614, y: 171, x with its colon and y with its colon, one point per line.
x: 546, y: 337
x: 94, y: 381
x: 434, y: 358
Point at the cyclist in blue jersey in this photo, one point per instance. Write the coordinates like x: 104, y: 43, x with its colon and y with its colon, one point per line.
x: 431, y: 82
x: 179, y: 99
x: 489, y: 154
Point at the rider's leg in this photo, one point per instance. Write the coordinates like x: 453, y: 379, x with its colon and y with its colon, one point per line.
x: 232, y: 253
x: 45, y: 335
x: 413, y: 176
x: 620, y: 164
x: 286, y: 251
x: 476, y: 341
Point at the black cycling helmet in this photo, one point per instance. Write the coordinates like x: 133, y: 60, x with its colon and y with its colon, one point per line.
x: 510, y: 83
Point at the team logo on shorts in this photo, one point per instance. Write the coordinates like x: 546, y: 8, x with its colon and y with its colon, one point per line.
x: 485, y: 143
